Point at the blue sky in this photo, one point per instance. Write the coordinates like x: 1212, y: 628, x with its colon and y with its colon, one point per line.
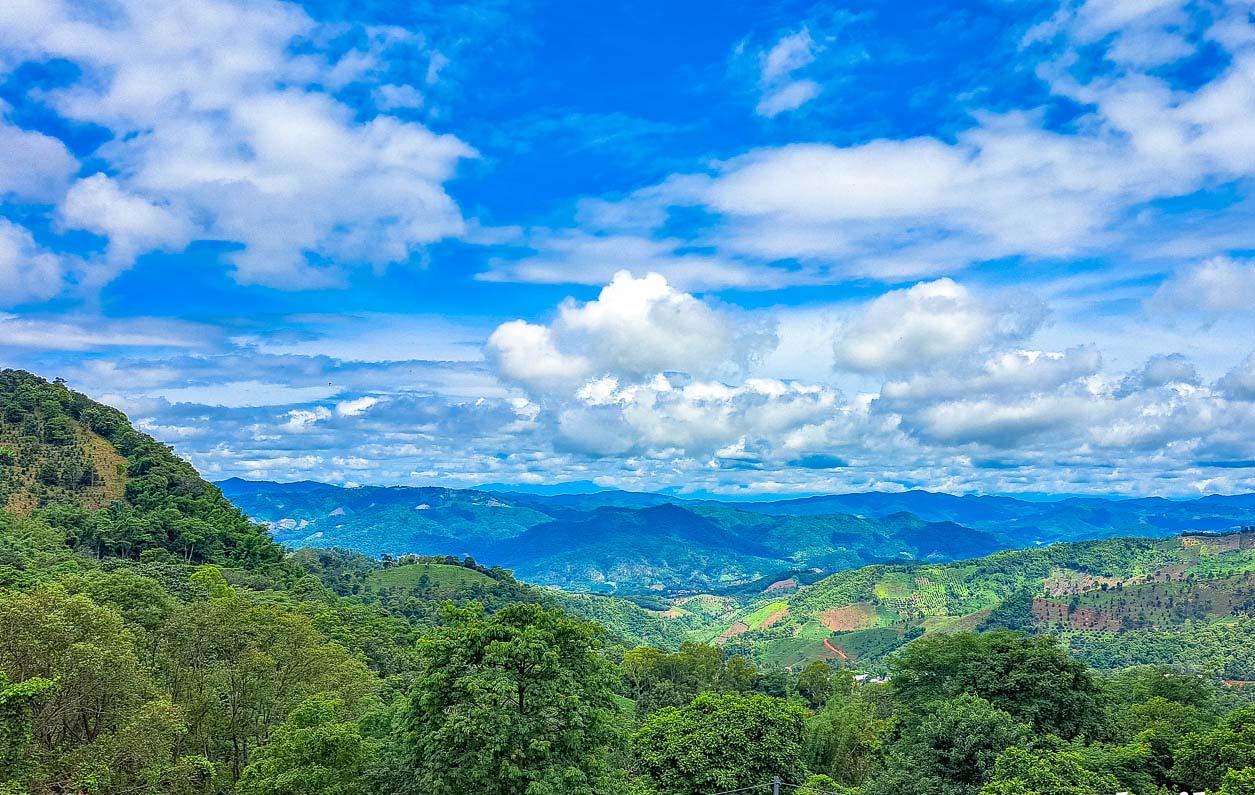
x: 736, y: 248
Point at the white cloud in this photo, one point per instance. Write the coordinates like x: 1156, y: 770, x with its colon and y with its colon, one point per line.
x: 357, y: 406
x: 927, y: 325
x: 579, y: 257
x: 302, y: 419
x: 781, y: 91
x: 214, y: 138
x: 131, y: 223
x: 1218, y: 285
x: 526, y: 353
x: 27, y: 271
x: 33, y: 166
x: 392, y: 97
x: 636, y: 328
x: 790, y: 96
x: 1239, y: 383
x: 71, y: 333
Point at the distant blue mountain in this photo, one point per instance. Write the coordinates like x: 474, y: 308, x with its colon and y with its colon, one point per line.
x: 620, y: 541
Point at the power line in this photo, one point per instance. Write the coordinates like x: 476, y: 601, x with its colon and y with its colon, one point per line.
x: 812, y: 789
x: 742, y: 789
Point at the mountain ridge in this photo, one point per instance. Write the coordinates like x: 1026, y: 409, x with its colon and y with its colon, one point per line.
x: 740, y: 542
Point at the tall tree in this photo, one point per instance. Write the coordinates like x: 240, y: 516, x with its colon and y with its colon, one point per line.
x: 722, y: 742
x: 950, y: 748
x: 1031, y: 678
x: 517, y: 702
x: 315, y: 752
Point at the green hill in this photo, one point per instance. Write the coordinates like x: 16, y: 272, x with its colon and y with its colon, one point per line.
x: 1103, y: 597
x: 120, y: 491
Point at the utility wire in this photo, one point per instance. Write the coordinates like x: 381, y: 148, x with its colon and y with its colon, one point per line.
x: 811, y: 789
x: 742, y: 789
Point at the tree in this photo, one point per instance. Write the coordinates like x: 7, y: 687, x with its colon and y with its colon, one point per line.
x: 1033, y: 679
x: 949, y: 749
x: 721, y: 742
x: 848, y: 740
x: 1204, y: 758
x: 1239, y: 782
x: 1019, y: 771
x: 315, y: 752
x: 815, y: 684
x: 17, y: 705
x: 517, y: 702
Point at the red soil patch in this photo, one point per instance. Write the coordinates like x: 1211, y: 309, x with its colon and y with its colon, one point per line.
x: 828, y: 645
x: 844, y: 619
x: 781, y: 585
x: 732, y: 631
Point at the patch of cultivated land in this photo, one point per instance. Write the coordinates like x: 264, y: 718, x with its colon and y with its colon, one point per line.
x: 844, y: 619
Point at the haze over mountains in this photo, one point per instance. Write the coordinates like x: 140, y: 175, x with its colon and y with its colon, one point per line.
x: 629, y: 542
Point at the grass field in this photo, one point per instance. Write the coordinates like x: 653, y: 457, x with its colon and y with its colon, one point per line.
x: 438, y: 575
x: 755, y: 619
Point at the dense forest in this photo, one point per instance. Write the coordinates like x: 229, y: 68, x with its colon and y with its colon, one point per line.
x: 153, y: 640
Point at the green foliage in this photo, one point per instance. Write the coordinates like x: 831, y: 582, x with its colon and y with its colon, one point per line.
x: 721, y: 742
x: 815, y: 684
x: 1203, y: 759
x: 317, y: 751
x: 519, y: 701
x: 1239, y: 782
x: 17, y: 704
x: 849, y: 738
x: 1032, y: 679
x: 950, y: 748
x: 656, y: 679
x: 1019, y: 771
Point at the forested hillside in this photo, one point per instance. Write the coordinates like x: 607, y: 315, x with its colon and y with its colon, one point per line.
x: 1114, y: 602
x: 154, y: 642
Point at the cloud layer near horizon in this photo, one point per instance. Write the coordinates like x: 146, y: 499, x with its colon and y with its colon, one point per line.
x: 382, y: 276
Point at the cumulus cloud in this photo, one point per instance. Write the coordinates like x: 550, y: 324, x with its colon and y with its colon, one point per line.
x: 636, y: 328
x: 357, y: 406
x: 27, y: 271
x: 925, y: 325
x: 220, y: 131
x: 1239, y: 383
x: 131, y: 223
x: 1162, y: 370
x: 33, y: 166
x: 301, y: 419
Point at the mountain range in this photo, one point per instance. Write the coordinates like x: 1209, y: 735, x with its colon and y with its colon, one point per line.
x: 629, y: 542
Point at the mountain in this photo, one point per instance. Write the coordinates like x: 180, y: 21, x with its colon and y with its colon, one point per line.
x: 120, y: 490
x: 610, y: 541
x: 1116, y: 602
x: 118, y: 494
x: 1071, y: 519
x: 631, y: 542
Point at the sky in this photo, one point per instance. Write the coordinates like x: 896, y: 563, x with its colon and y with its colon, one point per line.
x: 741, y: 249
